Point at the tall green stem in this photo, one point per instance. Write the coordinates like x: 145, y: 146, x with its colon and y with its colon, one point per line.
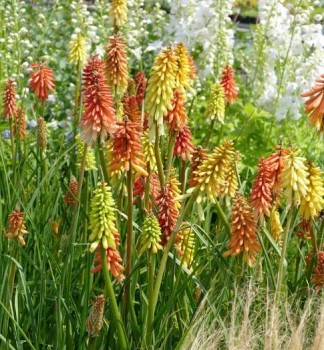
x: 158, y: 157
x: 222, y: 216
x: 283, y: 257
x: 103, y: 162
x: 109, y: 291
x: 164, y: 259
x: 170, y: 156
x: 129, y: 239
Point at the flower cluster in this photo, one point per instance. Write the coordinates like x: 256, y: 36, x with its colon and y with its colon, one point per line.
x: 16, y: 227
x: 41, y: 81
x: 9, y: 104
x: 151, y: 235
x: 94, y: 321
x: 99, y: 118
x: 244, y: 237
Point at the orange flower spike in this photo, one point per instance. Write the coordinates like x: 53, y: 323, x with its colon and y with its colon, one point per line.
x: 20, y: 124
x: 183, y: 144
x: 275, y: 165
x: 141, y: 81
x: 167, y: 212
x: 127, y: 148
x: 116, y: 64
x: 99, y: 118
x: 41, y: 81
x: 261, y: 196
x: 198, y: 155
x: 314, y: 106
x: 318, y: 274
x: 154, y: 189
x: 114, y: 260
x: 193, y: 70
x: 16, y: 227
x: 131, y: 109
x: 177, y: 117
x: 244, y: 237
x: 9, y: 104
x: 229, y: 85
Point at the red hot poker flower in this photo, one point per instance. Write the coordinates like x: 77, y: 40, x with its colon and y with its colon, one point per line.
x: 41, y: 81
x: 261, y: 196
x: 9, y: 104
x: 99, y: 118
x: 141, y: 81
x: 229, y: 85
x: 183, y: 144
x: 177, y: 117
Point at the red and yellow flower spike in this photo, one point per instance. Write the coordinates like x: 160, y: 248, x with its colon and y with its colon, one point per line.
x: 160, y: 90
x: 131, y: 109
x: 244, y: 237
x: 231, y: 182
x: 141, y: 81
x: 261, y: 197
x: 99, y: 118
x: 177, y: 116
x: 114, y: 260
x: 183, y: 146
x: 41, y: 81
x: 71, y: 193
x: 185, y: 244
x: 116, y: 64
x: 314, y: 106
x: 198, y: 156
x: 127, y: 148
x: 229, y: 85
x: 9, y: 104
x: 20, y: 124
x: 312, y: 203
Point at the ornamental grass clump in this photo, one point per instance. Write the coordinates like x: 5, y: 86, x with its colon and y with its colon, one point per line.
x: 99, y: 119
x: 102, y: 218
x: 244, y: 237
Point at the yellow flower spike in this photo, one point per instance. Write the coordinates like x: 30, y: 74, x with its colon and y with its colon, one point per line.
x: 160, y: 90
x: 119, y: 12
x: 211, y: 173
x: 148, y: 151
x: 175, y: 189
x: 183, y: 70
x: 151, y: 235
x: 275, y: 224
x: 102, y: 218
x: 78, y: 49
x: 312, y: 203
x: 216, y: 105
x: 231, y: 181
x: 294, y: 177
x: 90, y: 163
x: 185, y: 244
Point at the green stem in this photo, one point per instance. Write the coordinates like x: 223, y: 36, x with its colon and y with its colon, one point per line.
x: 13, y: 151
x: 164, y: 259
x: 129, y: 239
x: 222, y: 216
x: 103, y: 162
x: 109, y: 291
x: 212, y: 125
x: 147, y: 338
x: 283, y: 257
x: 147, y: 189
x: 182, y: 175
x: 220, y: 135
x: 158, y: 157
x: 170, y: 156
